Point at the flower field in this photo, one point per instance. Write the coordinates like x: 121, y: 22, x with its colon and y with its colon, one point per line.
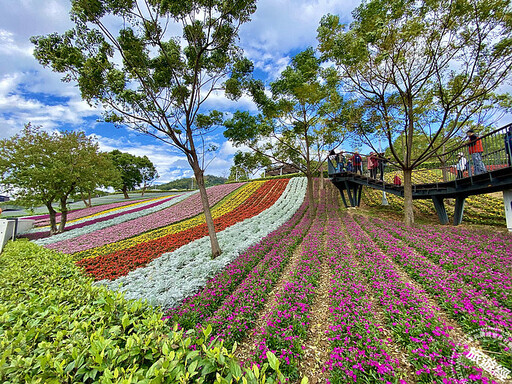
x: 479, y: 209
x: 398, y: 305
x: 334, y: 296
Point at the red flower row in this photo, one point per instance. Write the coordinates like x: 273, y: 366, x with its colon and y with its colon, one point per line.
x: 117, y: 264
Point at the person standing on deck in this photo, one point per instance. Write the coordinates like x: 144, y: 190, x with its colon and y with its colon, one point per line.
x: 461, y: 165
x: 340, y: 159
x: 382, y: 163
x: 508, y: 146
x: 357, y: 162
x: 332, y: 158
x: 475, y: 150
x: 372, y: 165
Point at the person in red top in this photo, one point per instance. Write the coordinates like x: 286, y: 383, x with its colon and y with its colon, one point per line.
x: 372, y: 165
x: 357, y: 162
x: 475, y: 150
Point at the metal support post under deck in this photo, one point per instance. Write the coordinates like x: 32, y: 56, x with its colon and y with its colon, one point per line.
x: 459, y: 209
x: 507, y: 200
x: 359, y: 192
x: 440, y: 209
x: 343, y: 198
x: 350, y: 196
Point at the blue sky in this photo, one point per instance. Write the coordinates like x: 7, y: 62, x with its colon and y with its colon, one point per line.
x: 31, y: 93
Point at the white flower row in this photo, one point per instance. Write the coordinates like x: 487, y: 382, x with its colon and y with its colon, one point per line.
x: 169, y: 279
x: 109, y: 223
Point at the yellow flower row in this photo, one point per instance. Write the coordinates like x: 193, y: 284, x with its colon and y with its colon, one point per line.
x: 226, y: 205
x: 113, y: 210
x: 482, y: 209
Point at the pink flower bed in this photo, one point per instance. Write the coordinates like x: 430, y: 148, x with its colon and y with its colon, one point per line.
x: 40, y: 235
x: 43, y: 220
x: 183, y: 210
x: 472, y: 307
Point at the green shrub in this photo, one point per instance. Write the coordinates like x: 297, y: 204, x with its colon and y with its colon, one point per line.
x: 56, y: 327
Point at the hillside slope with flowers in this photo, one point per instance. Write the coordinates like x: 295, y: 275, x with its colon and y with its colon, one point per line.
x: 333, y: 295
x: 487, y: 209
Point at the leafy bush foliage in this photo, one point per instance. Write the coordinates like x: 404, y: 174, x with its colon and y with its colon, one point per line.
x: 55, y: 327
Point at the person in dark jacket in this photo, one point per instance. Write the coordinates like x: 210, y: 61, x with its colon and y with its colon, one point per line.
x: 340, y: 159
x: 357, y: 162
x: 332, y: 159
x: 508, y: 145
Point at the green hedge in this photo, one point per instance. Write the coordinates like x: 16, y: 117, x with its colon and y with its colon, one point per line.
x: 56, y: 327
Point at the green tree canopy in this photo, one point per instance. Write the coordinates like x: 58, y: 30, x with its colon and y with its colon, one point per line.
x: 247, y: 164
x: 301, y: 119
x: 122, y: 56
x: 148, y: 172
x: 134, y: 170
x: 42, y: 168
x: 421, y: 68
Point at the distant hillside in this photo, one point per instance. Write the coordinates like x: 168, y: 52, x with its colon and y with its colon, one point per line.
x: 186, y: 183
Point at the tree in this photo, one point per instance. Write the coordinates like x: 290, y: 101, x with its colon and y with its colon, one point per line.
x: 105, y: 171
x: 422, y: 67
x: 148, y: 172
x: 134, y: 170
x: 148, y: 80
x: 39, y: 168
x: 247, y: 164
x: 186, y: 183
x: 299, y: 122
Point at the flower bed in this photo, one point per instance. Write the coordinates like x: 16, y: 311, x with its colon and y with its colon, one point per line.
x: 360, y: 347
x: 471, y: 307
x: 412, y: 320
x: 239, y: 310
x: 226, y: 205
x: 484, y: 270
x: 119, y: 263
x: 191, y: 265
x: 183, y: 210
x: 126, y: 213
x: 288, y: 322
x: 281, y: 242
x: 44, y: 220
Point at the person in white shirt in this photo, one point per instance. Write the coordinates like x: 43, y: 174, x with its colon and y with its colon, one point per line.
x: 461, y: 165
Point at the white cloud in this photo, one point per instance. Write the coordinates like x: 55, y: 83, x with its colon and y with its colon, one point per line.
x: 279, y: 27
x: 29, y: 92
x: 170, y: 164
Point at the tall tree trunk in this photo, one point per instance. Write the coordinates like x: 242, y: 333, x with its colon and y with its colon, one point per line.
x: 322, y: 176
x: 144, y: 189
x: 444, y: 170
x: 53, y: 220
x: 125, y: 192
x: 63, y: 213
x: 87, y: 201
x: 216, y: 251
x: 310, y: 191
x: 408, y: 207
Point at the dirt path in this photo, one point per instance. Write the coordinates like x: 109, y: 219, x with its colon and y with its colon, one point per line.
x: 317, y: 346
x: 248, y: 347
